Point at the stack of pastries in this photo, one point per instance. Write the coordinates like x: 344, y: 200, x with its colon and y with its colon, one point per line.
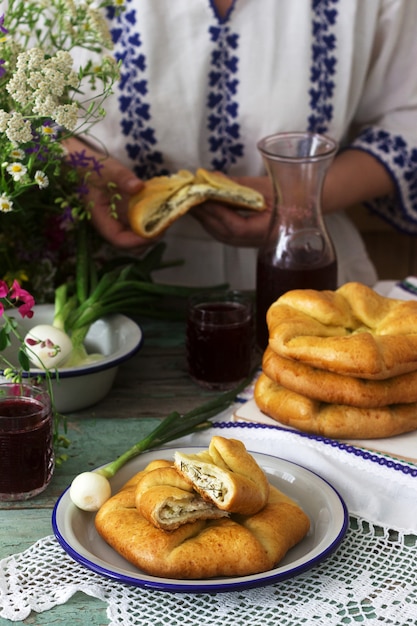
x: 341, y: 364
x: 203, y: 515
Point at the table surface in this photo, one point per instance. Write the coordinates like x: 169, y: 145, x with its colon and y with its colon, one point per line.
x: 149, y: 386
x: 152, y: 383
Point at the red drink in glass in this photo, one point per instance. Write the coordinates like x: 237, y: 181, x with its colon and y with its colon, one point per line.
x: 26, y: 442
x: 219, y: 341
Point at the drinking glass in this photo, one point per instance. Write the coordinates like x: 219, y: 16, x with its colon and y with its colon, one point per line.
x: 26, y: 441
x: 220, y: 338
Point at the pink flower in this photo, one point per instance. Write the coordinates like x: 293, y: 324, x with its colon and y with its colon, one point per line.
x: 17, y: 293
x: 4, y: 289
x: 25, y: 309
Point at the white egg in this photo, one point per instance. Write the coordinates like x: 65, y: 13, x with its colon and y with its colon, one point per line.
x: 48, y: 346
x: 89, y: 491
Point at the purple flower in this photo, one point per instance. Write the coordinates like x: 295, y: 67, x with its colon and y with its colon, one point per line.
x: 2, y: 29
x: 2, y: 69
x: 80, y: 159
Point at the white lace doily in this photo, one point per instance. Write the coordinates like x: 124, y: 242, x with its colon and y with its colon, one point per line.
x: 370, y: 579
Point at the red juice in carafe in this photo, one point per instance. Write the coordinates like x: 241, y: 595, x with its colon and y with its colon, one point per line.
x: 26, y: 447
x: 297, y: 252
x: 274, y: 281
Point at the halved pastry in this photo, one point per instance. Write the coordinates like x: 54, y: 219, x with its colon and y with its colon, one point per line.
x: 219, y: 187
x: 227, y: 475
x: 167, y: 500
x: 153, y: 208
x: 164, y: 199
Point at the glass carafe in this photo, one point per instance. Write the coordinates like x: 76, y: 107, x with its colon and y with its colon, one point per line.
x: 297, y: 251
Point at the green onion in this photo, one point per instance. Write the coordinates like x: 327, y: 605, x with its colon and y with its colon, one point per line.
x: 123, y: 286
x: 176, y: 425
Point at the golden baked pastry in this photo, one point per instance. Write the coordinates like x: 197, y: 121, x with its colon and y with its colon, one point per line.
x: 227, y: 475
x: 351, y: 331
x: 167, y: 500
x: 164, y: 199
x: 335, y: 388
x: 340, y: 421
x: 235, y: 546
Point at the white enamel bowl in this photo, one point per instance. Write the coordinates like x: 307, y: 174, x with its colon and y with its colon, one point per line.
x: 116, y: 337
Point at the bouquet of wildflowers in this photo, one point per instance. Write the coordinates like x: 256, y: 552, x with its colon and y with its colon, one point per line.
x: 52, y: 54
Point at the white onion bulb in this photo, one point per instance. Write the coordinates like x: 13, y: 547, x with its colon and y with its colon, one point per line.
x: 48, y: 346
x: 89, y: 491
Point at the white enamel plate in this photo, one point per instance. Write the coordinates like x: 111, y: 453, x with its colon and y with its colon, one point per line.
x: 75, y: 530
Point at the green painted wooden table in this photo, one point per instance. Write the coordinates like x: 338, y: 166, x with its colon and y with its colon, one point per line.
x: 148, y: 387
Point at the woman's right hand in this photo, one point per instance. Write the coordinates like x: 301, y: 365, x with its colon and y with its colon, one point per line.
x: 116, y: 230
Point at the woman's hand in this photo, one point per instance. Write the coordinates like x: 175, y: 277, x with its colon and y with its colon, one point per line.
x: 115, y: 230
x: 353, y: 177
x: 235, y: 227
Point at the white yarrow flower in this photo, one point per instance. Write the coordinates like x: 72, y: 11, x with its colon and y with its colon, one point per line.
x: 18, y: 129
x: 66, y: 115
x: 98, y: 23
x: 70, y: 7
x: 44, y: 104
x: 4, y: 120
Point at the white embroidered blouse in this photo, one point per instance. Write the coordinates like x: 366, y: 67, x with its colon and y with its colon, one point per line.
x: 198, y: 90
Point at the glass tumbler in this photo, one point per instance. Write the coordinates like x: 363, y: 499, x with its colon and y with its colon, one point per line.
x: 26, y: 441
x: 220, y: 339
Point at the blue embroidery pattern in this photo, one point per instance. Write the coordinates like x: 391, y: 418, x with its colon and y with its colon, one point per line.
x: 391, y: 150
x: 394, y: 153
x: 133, y: 87
x: 223, y: 108
x: 224, y: 130
x: 323, y: 65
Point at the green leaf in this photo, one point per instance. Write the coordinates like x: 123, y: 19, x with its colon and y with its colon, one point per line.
x: 23, y: 360
x: 4, y: 339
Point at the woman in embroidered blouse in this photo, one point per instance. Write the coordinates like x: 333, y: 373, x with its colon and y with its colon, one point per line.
x: 203, y: 81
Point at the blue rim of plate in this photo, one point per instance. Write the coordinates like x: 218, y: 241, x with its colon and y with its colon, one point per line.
x: 217, y: 585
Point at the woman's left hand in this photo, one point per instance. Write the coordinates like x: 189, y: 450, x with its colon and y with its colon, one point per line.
x: 234, y: 226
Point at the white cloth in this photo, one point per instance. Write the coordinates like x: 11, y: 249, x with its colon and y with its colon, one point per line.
x: 368, y: 481
x: 405, y: 289
x: 197, y: 90
x: 369, y: 579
